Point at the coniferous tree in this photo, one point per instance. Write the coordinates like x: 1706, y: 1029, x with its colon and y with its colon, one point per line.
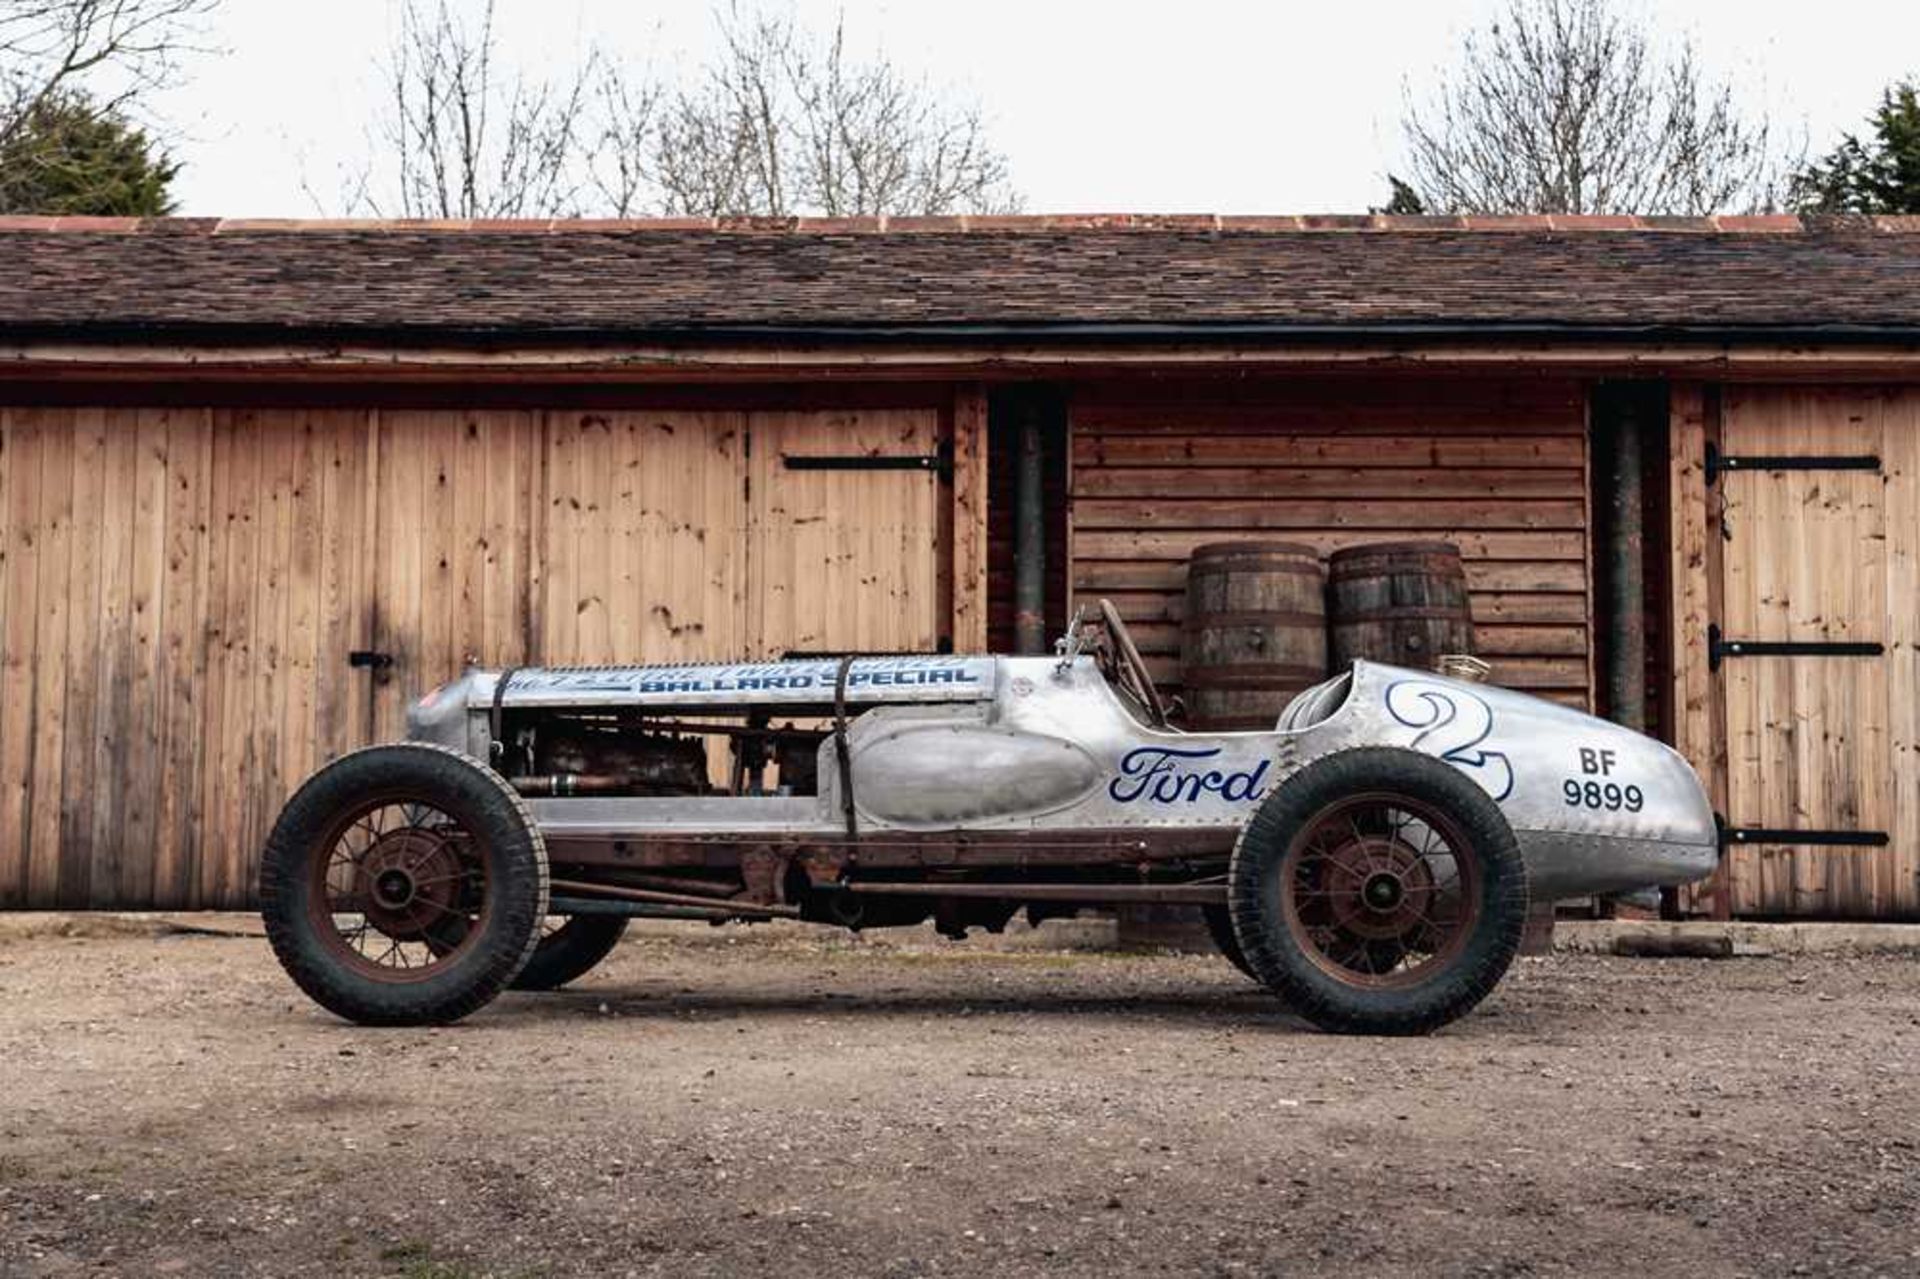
x: 70, y: 158
x: 1878, y: 175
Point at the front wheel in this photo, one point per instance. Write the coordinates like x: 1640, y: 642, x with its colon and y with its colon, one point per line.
x: 403, y: 885
x: 1378, y: 891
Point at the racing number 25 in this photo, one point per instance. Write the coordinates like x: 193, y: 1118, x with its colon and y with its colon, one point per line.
x: 1611, y: 796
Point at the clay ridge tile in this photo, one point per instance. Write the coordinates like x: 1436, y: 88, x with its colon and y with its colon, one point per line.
x: 993, y: 224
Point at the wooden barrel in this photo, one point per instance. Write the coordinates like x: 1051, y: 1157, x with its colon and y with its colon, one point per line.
x: 1255, y: 632
x: 1399, y: 602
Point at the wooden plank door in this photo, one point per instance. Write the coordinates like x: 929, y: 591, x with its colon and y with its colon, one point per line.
x: 642, y: 538
x: 283, y: 596
x: 845, y: 538
x: 182, y: 586
x: 1818, y: 536
x: 454, y: 562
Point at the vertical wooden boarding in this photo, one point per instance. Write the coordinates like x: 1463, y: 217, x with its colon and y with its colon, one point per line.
x: 573, y: 555
x: 132, y: 816
x: 843, y: 559
x: 84, y: 642
x: 1806, y: 559
x: 349, y: 486
x: 1897, y: 869
x: 19, y: 603
x: 108, y: 786
x: 55, y: 429
x: 691, y: 548
x: 969, y: 519
x: 276, y: 440
x: 267, y: 587
x: 452, y: 524
x: 642, y: 557
x: 182, y: 683
x: 1695, y: 527
x: 399, y: 537
x: 232, y: 748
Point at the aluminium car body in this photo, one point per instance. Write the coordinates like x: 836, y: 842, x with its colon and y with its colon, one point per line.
x: 1043, y: 744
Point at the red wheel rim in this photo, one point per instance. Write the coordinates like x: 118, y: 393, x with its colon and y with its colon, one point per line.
x: 1380, y: 891
x: 397, y: 890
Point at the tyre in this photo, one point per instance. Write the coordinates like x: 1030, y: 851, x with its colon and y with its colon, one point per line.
x: 570, y: 951
x: 403, y: 885
x: 1378, y: 891
x: 1220, y: 928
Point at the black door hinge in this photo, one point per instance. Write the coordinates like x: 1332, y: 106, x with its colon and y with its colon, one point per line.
x: 1719, y: 648
x: 939, y: 462
x: 1751, y: 835
x: 369, y: 658
x: 1719, y: 463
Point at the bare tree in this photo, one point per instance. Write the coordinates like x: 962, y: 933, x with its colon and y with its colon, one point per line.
x: 115, y: 49
x: 628, y: 105
x: 780, y: 123
x: 1566, y: 106
x: 785, y: 123
x: 463, y: 137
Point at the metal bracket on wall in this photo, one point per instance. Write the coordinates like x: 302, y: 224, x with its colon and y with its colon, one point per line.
x: 1719, y: 463
x: 939, y: 462
x: 1720, y: 648
x: 369, y: 658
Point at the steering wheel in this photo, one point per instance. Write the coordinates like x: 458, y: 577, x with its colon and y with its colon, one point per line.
x: 1130, y: 669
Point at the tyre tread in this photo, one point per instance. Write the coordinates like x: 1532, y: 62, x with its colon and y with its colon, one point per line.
x: 355, y: 998
x: 1277, y: 962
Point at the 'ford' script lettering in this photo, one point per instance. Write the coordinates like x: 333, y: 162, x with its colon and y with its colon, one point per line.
x: 1170, y: 775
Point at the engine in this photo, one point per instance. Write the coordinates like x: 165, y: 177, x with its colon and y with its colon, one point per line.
x: 561, y: 753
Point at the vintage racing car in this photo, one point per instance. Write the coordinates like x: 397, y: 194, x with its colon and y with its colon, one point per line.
x: 1369, y: 859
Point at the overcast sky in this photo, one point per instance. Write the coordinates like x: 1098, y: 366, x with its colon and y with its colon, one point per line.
x: 1196, y: 106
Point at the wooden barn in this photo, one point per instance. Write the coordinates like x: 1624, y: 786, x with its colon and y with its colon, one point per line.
x: 263, y: 483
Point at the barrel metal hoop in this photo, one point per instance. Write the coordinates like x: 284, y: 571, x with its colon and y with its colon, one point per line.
x: 1254, y: 617
x: 1250, y: 675
x: 1392, y: 613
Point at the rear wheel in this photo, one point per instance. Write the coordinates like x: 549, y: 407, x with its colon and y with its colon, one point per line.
x: 1378, y: 891
x: 569, y: 947
x: 1220, y: 928
x: 403, y: 885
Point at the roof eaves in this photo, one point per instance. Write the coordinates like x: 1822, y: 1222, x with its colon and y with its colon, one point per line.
x: 1274, y: 335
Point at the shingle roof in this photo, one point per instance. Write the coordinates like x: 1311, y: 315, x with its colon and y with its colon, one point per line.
x: 255, y: 280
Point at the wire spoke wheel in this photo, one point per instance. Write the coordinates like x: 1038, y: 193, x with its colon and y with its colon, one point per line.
x: 401, y: 889
x: 1375, y: 892
x: 404, y: 885
x: 1378, y: 891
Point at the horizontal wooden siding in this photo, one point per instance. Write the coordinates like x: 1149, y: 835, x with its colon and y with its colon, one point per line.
x: 1498, y: 468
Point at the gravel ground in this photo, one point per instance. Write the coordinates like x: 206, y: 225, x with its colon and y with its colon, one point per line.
x: 771, y: 1100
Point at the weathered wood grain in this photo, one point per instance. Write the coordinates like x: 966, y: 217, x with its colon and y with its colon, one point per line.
x: 1816, y: 741
x: 19, y: 605
x: 968, y: 523
x: 1499, y: 469
x: 843, y: 560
